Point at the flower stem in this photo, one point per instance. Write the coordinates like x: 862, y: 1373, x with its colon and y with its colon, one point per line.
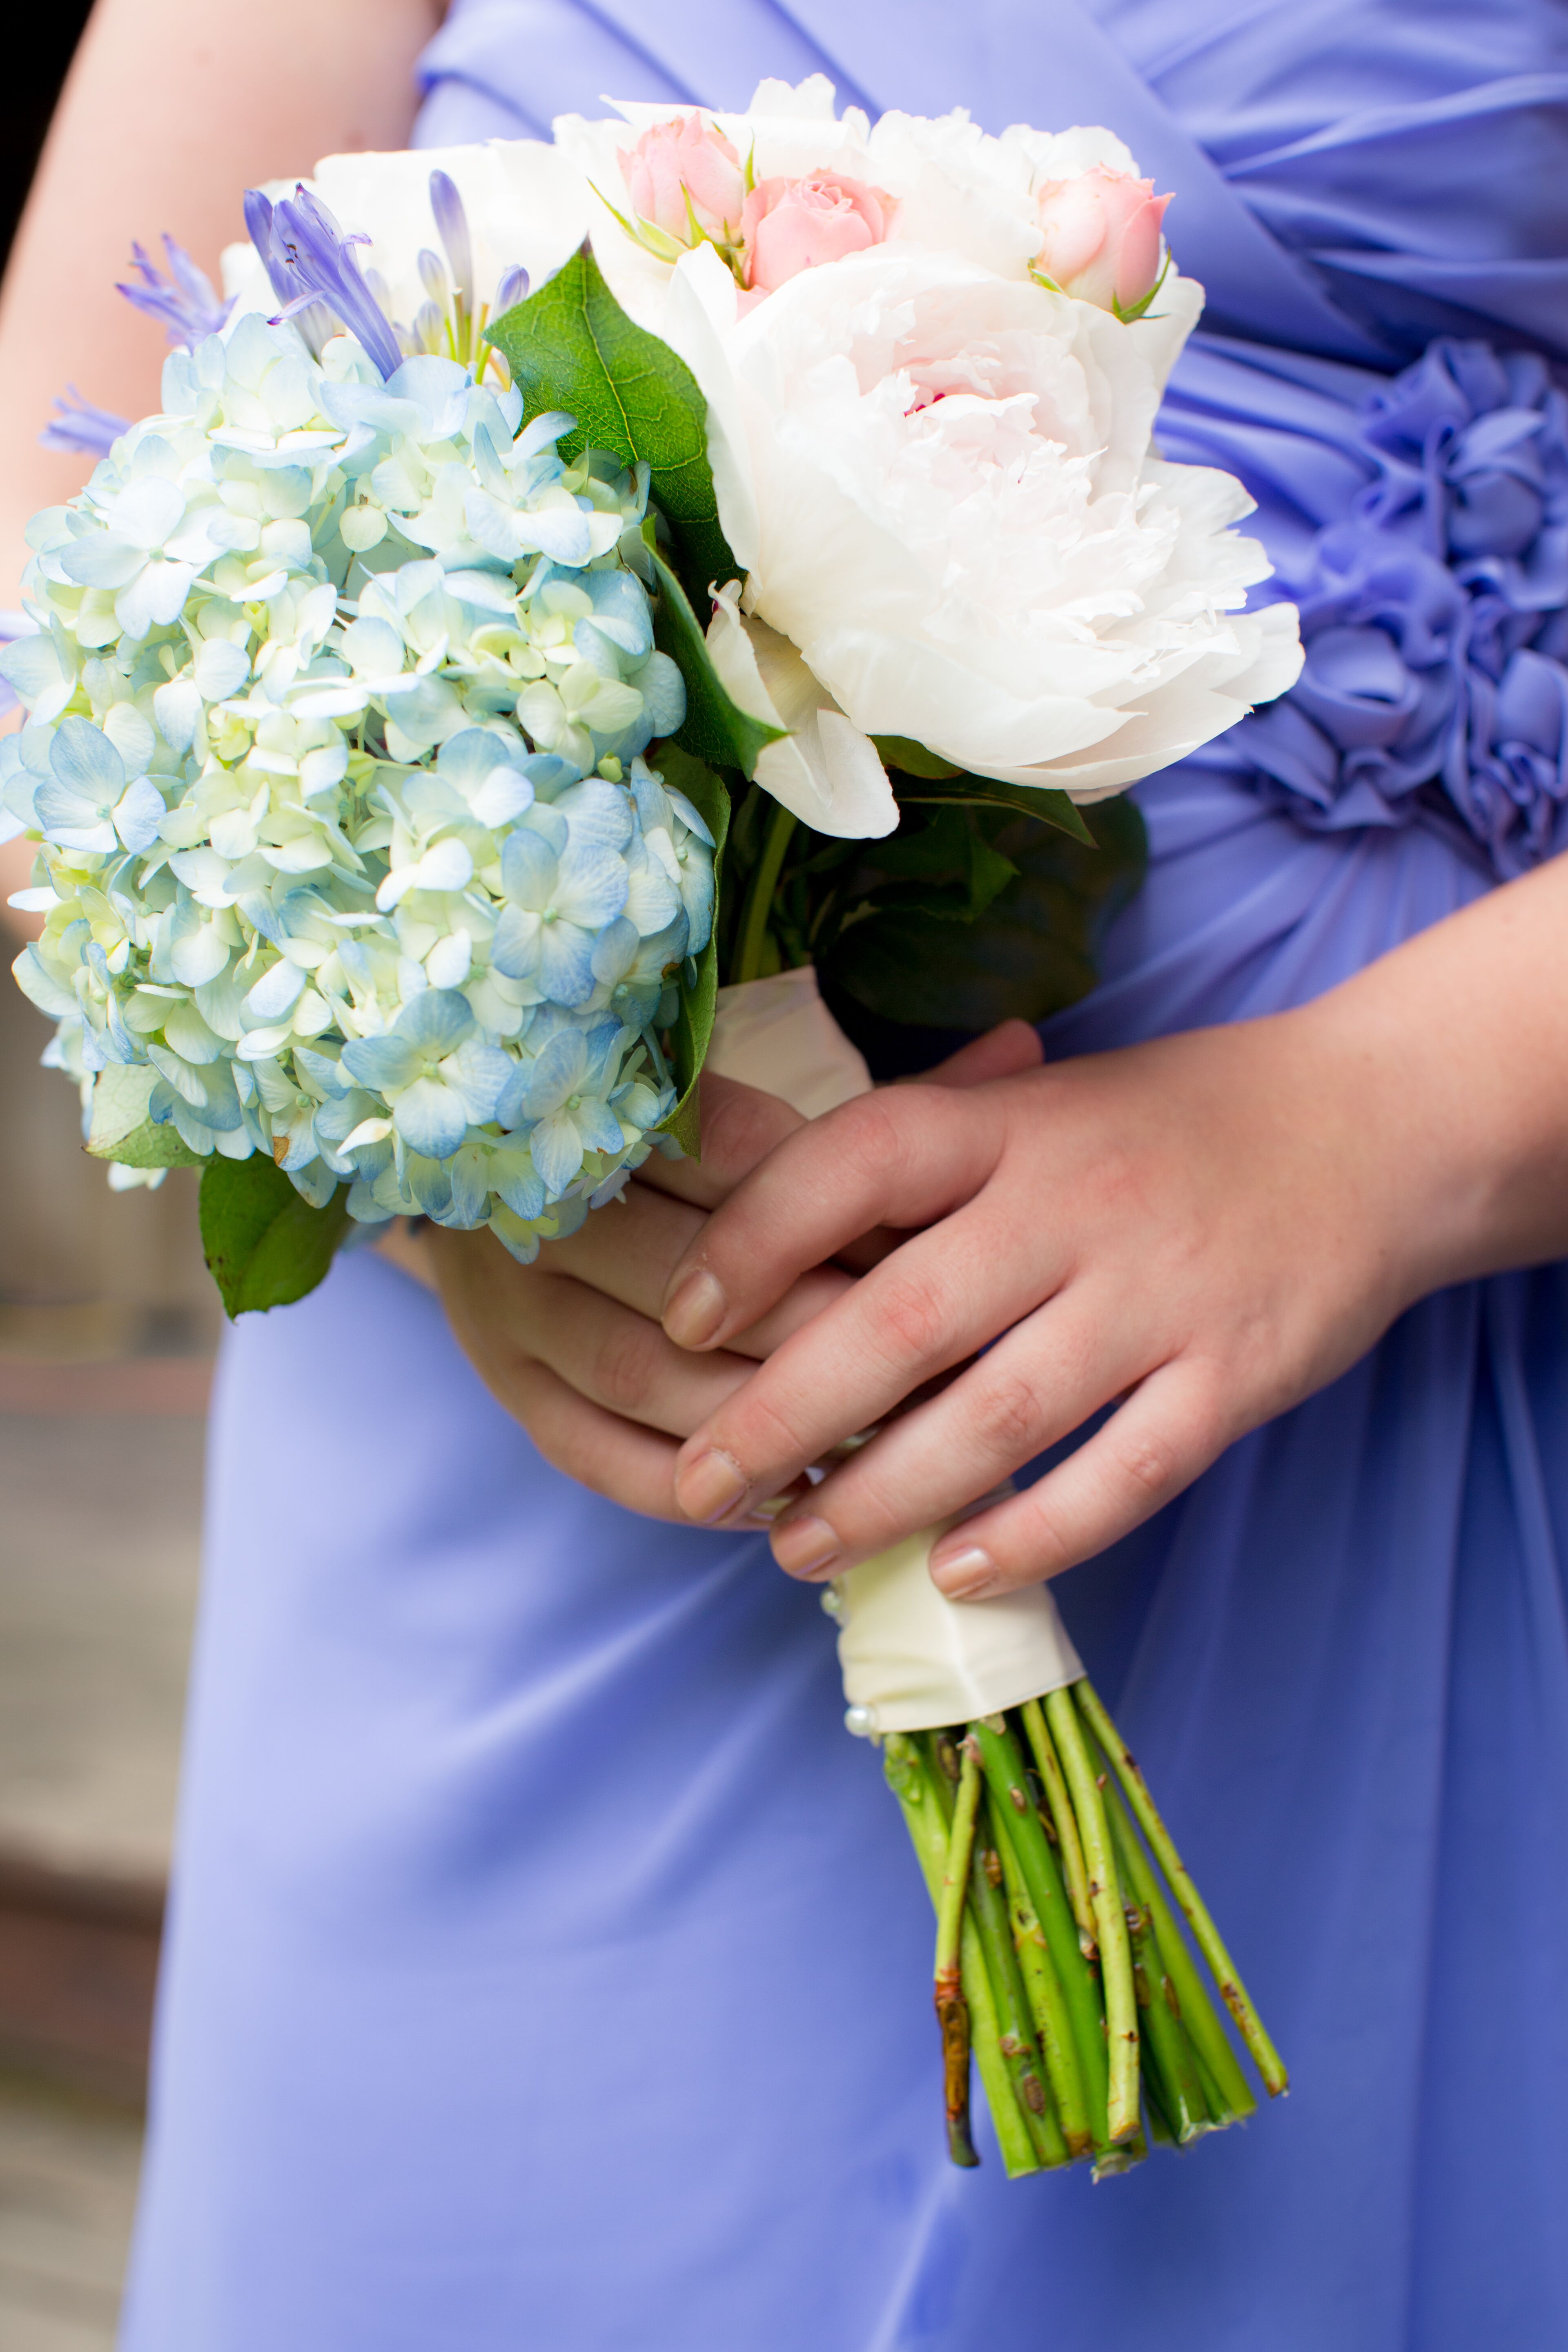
x: 1173, y: 2081
x: 1018, y: 2045
x: 1233, y: 1991
x: 1044, y: 1997
x: 953, y: 2014
x: 1080, y: 2088
x: 915, y: 1784
x: 1226, y: 2091
x: 1062, y: 1821
x: 758, y: 903
x: 1109, y: 1921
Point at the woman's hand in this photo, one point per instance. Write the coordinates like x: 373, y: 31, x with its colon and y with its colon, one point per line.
x: 572, y: 1345
x: 1199, y: 1231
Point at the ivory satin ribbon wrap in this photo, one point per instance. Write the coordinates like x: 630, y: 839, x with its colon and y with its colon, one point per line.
x: 911, y: 1660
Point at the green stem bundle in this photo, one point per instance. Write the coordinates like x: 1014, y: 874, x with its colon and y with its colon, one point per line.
x: 1061, y: 1968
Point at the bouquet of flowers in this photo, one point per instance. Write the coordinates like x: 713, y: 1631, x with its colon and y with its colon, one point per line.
x: 465, y: 710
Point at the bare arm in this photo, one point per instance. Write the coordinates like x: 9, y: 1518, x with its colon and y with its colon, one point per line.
x: 172, y: 108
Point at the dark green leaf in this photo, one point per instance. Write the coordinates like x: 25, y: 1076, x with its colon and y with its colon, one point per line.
x: 265, y: 1246
x: 715, y: 728
x: 1032, y: 953
x: 572, y: 346
x: 694, y: 1020
x: 1053, y: 807
x: 913, y: 759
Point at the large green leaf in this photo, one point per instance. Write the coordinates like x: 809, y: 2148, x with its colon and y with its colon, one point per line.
x: 1031, y: 953
x: 265, y: 1246
x: 694, y: 1022
x: 715, y: 728
x: 572, y: 346
x: 120, y: 1128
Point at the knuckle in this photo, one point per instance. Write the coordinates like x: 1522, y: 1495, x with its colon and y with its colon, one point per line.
x: 910, y: 1317
x: 763, y: 1431
x: 1006, y: 1413
x: 625, y: 1364
x: 1148, y: 1460
x: 740, y: 1127
x: 869, y: 1137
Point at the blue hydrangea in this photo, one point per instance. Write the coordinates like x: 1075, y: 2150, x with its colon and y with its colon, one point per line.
x: 340, y: 699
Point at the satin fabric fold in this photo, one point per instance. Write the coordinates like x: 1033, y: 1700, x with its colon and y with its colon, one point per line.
x: 546, y: 1969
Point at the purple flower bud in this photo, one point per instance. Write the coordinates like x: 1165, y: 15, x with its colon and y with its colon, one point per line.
x: 512, y: 290
x: 432, y: 277
x: 452, y: 222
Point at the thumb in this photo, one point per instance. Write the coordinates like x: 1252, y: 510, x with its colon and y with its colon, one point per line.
x: 1004, y: 1052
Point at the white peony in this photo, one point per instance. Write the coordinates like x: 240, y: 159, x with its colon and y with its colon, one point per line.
x: 942, y: 491
x: 938, y: 474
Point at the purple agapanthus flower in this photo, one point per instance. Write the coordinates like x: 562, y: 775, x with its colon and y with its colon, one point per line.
x: 452, y: 222
x: 180, y: 297
x: 81, y: 429
x: 311, y: 262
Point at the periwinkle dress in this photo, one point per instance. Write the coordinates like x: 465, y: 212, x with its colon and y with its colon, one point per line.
x: 547, y: 1970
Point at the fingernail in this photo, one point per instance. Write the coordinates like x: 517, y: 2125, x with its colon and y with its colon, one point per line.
x: 696, y: 1311
x: 710, y: 1487
x: 965, y: 1575
x: 805, y: 1547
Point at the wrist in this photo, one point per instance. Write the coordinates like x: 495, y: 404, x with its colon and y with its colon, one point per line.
x: 1447, y: 1063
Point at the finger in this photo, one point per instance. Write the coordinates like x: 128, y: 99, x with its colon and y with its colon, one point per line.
x: 900, y: 1156
x: 633, y: 1466
x: 1003, y: 1053
x: 1172, y: 1427
x: 740, y: 1125
x: 618, y: 1358
x: 929, y: 1306
x: 1039, y: 1384
x: 628, y: 1249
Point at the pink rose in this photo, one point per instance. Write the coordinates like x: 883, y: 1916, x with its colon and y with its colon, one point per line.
x: 789, y: 226
x: 688, y: 155
x: 1102, y: 236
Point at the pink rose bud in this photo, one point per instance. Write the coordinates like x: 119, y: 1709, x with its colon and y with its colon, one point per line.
x: 688, y: 155
x: 789, y: 226
x: 1102, y: 236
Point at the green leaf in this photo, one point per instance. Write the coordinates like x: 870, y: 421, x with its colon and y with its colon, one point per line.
x: 1030, y: 955
x: 715, y: 728
x: 572, y: 346
x: 1046, y: 807
x: 121, y: 1129
x: 265, y: 1246
x: 149, y: 1146
x: 912, y: 759
x: 694, y: 1020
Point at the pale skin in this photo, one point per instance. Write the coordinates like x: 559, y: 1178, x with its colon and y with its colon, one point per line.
x: 1207, y: 1228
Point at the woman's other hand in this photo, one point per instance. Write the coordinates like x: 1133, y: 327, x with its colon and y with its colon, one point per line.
x: 572, y: 1346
